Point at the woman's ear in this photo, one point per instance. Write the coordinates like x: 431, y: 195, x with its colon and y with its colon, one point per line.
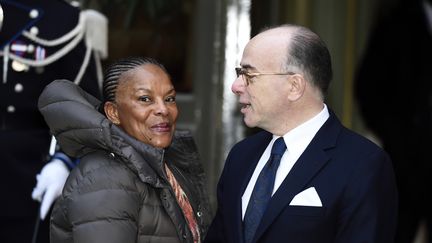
x: 111, y: 112
x: 297, y: 86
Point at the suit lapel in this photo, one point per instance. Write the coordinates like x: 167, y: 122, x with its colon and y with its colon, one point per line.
x: 307, y: 166
x: 246, y: 162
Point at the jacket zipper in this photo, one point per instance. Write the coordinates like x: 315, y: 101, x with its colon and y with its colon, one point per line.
x: 182, y: 233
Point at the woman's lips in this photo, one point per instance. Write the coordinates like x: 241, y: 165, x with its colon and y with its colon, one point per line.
x: 161, y: 127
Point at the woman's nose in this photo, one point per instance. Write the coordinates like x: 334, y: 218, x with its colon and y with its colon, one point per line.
x: 161, y: 108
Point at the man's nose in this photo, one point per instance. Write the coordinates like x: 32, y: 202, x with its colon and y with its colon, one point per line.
x: 238, y: 86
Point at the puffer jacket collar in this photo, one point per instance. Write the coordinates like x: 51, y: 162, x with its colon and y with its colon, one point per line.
x: 133, y: 153
x: 84, y: 129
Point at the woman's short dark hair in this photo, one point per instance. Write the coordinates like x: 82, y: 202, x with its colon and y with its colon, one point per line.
x: 117, y: 69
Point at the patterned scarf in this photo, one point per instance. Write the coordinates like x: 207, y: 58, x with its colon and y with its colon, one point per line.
x: 184, y: 204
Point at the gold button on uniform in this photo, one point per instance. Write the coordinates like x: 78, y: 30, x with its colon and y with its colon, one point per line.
x: 34, y: 13
x: 34, y: 30
x: 19, y: 67
x: 11, y: 109
x: 19, y: 88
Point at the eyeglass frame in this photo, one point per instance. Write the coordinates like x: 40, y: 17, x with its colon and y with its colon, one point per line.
x: 248, y: 75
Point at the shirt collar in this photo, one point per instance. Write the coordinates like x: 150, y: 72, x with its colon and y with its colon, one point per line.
x: 299, y: 138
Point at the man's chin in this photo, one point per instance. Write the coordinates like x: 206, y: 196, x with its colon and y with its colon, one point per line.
x: 249, y: 123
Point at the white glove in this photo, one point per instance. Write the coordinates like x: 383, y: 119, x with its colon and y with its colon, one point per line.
x: 50, y: 184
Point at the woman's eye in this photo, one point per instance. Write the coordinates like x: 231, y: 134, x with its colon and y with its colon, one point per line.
x: 170, y: 99
x: 144, y: 99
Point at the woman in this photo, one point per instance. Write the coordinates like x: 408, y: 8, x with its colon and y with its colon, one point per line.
x: 138, y: 180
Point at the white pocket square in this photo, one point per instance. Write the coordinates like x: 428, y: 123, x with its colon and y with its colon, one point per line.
x: 308, y: 197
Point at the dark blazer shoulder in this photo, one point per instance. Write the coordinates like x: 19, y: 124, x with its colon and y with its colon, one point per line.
x: 355, y: 141
x: 256, y: 140
x: 339, y: 135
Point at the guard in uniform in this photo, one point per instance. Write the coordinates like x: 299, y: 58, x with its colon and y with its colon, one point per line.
x: 40, y: 41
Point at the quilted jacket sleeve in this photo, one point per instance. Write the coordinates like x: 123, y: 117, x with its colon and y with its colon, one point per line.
x: 97, y: 208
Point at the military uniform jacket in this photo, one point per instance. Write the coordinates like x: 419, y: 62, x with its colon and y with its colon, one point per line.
x: 33, y: 32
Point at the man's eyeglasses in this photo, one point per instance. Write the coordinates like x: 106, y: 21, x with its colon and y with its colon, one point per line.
x: 247, y: 76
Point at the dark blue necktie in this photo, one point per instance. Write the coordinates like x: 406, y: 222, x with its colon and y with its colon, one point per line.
x: 262, y: 191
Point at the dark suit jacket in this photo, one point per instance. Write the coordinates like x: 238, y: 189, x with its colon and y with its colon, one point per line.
x: 352, y: 176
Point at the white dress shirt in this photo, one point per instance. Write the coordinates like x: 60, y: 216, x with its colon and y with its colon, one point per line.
x: 296, y: 141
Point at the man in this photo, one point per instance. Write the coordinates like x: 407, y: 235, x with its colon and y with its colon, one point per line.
x: 332, y: 185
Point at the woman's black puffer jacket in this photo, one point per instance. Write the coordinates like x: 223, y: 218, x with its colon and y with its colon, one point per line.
x: 119, y: 191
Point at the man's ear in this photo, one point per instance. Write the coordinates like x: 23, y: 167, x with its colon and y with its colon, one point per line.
x: 112, y: 112
x: 297, y: 86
